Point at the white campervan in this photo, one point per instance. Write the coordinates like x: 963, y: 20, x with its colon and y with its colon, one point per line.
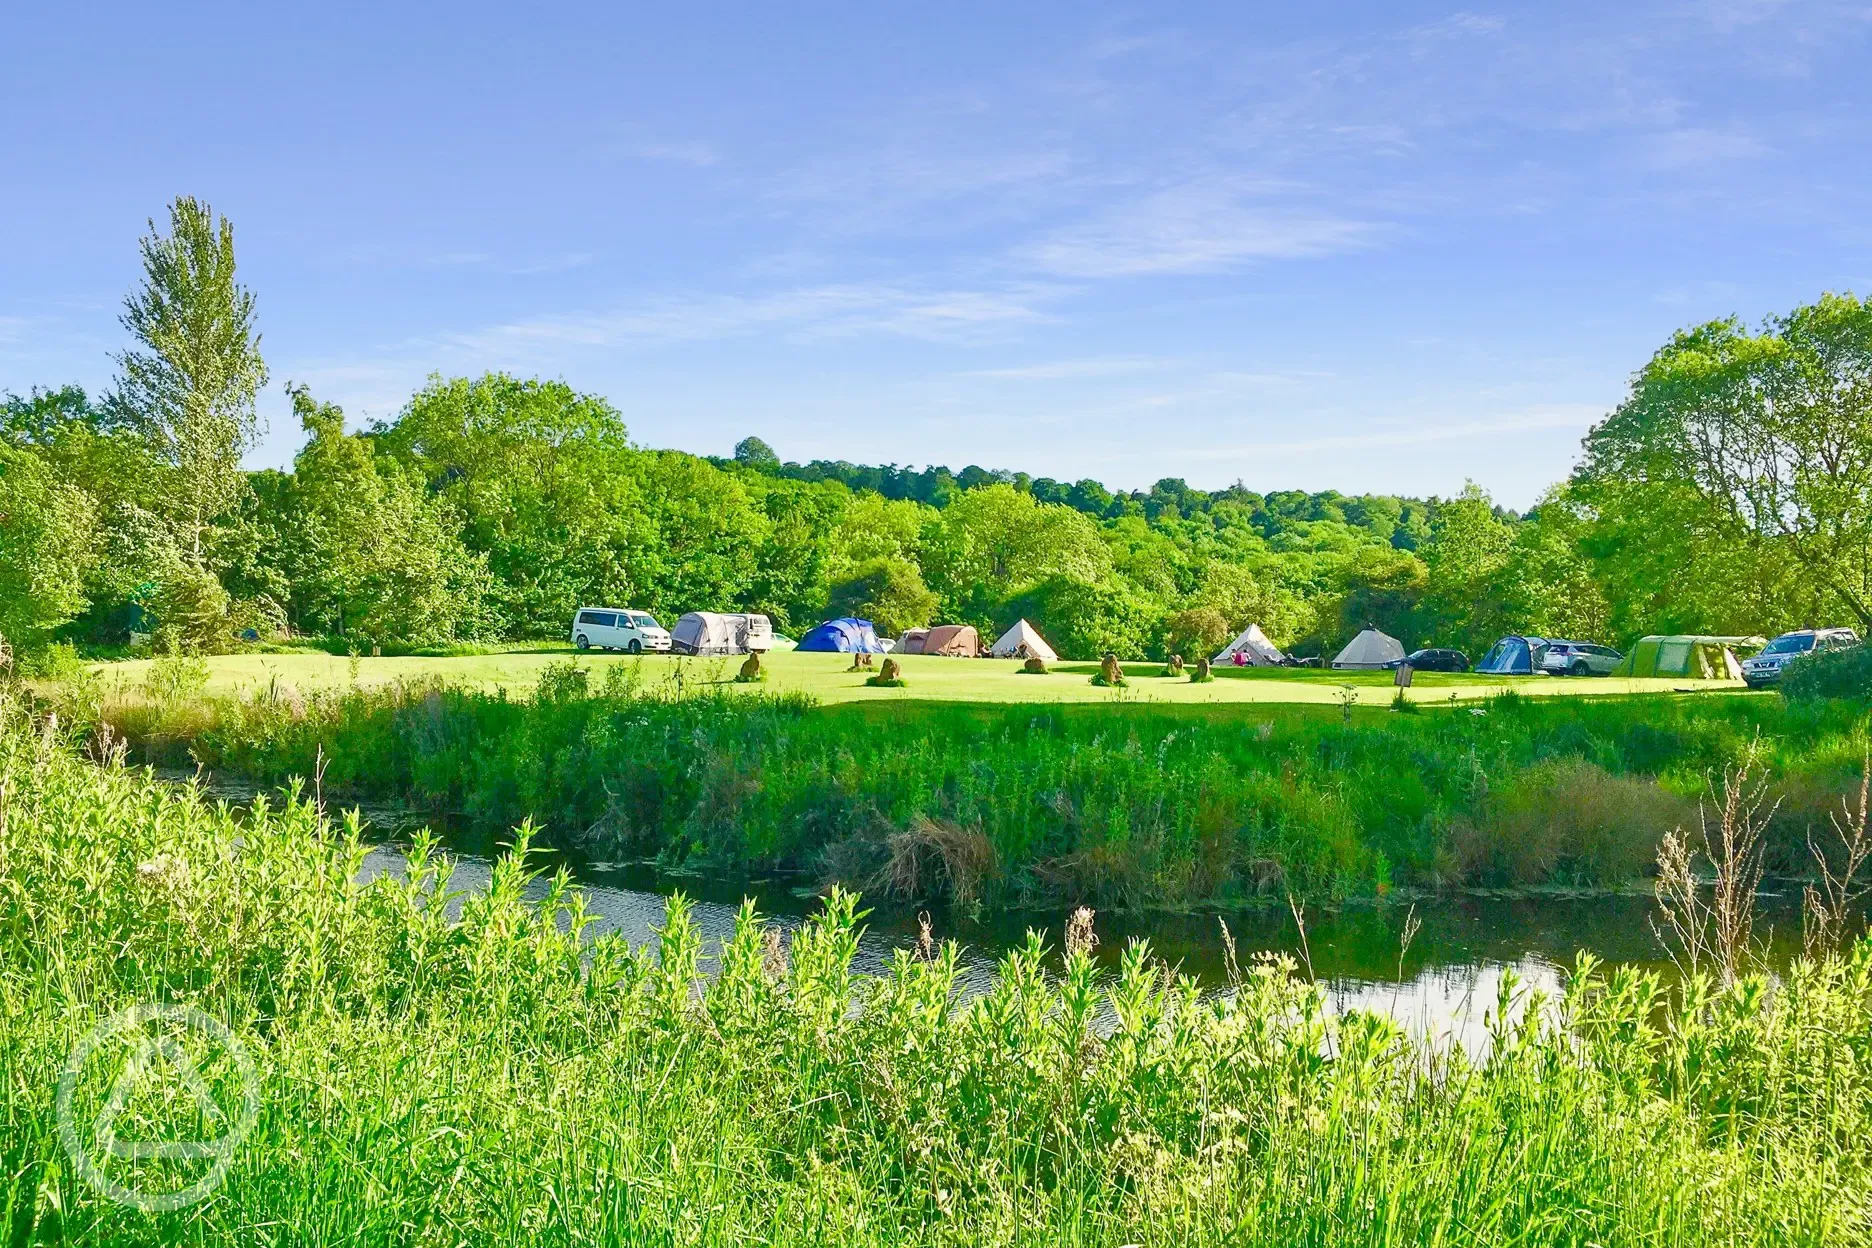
x: 613, y: 628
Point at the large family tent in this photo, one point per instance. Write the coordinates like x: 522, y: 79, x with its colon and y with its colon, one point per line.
x: 1254, y: 647
x: 708, y: 632
x: 1369, y: 650
x: 1023, y: 641
x: 1513, y: 656
x: 1697, y: 658
x: 956, y: 641
x: 843, y: 636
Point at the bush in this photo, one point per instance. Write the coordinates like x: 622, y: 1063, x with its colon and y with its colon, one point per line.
x: 1830, y: 674
x: 58, y: 661
x: 1567, y: 821
x: 193, y: 610
x: 888, y: 592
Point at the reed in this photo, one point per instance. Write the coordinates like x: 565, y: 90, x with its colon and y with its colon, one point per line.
x: 496, y: 1075
x: 1121, y: 804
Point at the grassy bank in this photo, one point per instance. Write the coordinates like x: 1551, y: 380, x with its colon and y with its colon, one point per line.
x: 498, y: 1079
x: 1115, y: 803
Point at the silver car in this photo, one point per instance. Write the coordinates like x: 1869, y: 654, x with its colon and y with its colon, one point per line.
x: 1579, y: 658
x: 1766, y: 668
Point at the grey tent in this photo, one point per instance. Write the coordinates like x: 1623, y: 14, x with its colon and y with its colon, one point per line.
x: 1369, y: 651
x: 708, y: 632
x: 1255, y: 649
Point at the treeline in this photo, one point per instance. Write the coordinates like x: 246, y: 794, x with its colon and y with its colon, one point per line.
x: 1732, y: 492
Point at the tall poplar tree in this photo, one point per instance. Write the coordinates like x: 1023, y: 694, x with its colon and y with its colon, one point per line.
x: 190, y: 384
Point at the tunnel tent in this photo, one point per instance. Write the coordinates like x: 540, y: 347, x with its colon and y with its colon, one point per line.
x: 1692, y: 657
x: 912, y: 641
x: 1024, y: 641
x: 1255, y: 649
x: 844, y: 635
x: 714, y: 633
x: 1513, y: 656
x: 1369, y: 651
x: 955, y: 641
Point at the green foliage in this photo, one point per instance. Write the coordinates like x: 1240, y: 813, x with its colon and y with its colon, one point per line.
x: 1130, y: 803
x: 191, y: 612
x: 371, y: 553
x: 47, y: 534
x: 1830, y: 674
x: 1197, y: 630
x: 1765, y: 436
x: 408, y: 1052
x: 1382, y: 588
x: 888, y: 592
x: 190, y: 385
x: 1085, y: 619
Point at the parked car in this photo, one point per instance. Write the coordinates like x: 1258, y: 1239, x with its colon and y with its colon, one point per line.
x: 1579, y: 658
x: 1766, y: 668
x: 617, y: 628
x: 1432, y: 661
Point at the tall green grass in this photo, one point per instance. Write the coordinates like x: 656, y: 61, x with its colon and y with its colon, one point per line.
x: 1119, y: 805
x: 502, y: 1078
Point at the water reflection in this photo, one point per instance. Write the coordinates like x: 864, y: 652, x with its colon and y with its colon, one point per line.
x: 1442, y: 988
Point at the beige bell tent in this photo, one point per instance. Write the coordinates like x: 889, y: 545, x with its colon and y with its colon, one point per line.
x: 707, y: 632
x: 956, y: 641
x: 1369, y: 651
x: 1023, y: 641
x: 1254, y: 647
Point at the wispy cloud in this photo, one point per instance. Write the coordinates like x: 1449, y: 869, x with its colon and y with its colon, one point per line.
x: 1073, y: 370
x: 691, y: 152
x: 1208, y: 226
x: 805, y: 313
x: 1695, y: 147
x: 1577, y: 416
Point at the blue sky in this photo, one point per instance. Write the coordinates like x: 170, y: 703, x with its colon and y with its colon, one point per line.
x: 1383, y: 246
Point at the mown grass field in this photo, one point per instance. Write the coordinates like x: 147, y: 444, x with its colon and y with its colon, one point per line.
x: 826, y: 678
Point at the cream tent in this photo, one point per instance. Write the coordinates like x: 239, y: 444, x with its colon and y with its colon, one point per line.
x: 706, y: 632
x: 1370, y: 649
x: 1023, y: 641
x: 1254, y: 647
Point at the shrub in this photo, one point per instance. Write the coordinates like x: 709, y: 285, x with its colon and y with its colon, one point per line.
x: 58, y: 661
x: 193, y: 612
x: 1830, y: 674
x: 888, y: 592
x: 1567, y: 821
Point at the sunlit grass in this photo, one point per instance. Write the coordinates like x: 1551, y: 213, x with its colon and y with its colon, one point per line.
x: 503, y: 1079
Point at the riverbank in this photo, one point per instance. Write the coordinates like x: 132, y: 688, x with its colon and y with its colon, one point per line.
x: 1117, y: 804
x: 505, y: 1077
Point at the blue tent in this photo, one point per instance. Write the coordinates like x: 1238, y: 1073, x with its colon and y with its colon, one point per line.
x: 843, y: 636
x: 1513, y: 656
